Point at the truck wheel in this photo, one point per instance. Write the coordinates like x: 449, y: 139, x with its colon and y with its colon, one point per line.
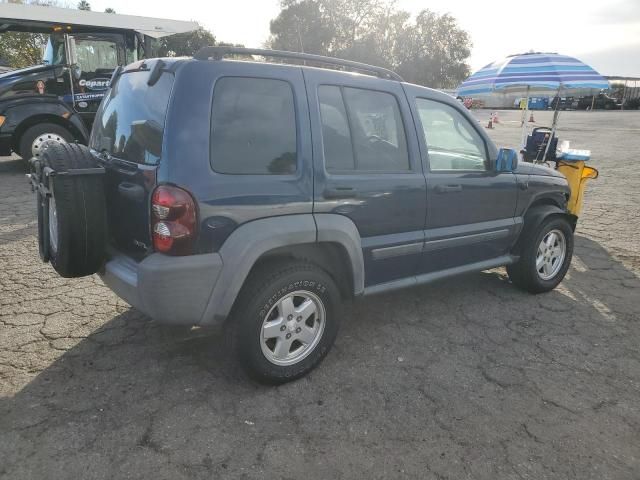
x: 286, y: 321
x: 77, y: 213
x: 34, y: 138
x: 545, y: 257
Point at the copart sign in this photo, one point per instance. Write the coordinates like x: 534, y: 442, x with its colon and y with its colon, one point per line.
x: 95, y: 84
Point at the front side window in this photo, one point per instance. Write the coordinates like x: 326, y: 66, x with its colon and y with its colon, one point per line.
x: 362, y: 131
x: 452, y: 142
x: 253, y: 127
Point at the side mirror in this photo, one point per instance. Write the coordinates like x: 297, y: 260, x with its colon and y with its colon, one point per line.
x: 507, y: 160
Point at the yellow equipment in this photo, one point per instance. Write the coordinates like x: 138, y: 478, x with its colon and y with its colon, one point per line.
x: 577, y: 174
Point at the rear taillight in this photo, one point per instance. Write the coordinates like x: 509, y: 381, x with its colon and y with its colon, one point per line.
x: 174, y: 220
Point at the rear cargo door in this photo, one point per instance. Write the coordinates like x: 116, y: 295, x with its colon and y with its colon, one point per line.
x: 127, y: 138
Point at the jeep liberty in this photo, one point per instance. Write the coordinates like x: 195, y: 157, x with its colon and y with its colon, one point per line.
x: 260, y: 195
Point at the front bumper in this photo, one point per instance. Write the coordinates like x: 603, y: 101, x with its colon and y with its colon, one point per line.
x: 171, y: 290
x: 6, y: 144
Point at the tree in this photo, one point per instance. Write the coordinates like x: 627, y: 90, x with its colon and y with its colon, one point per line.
x: 430, y: 50
x: 22, y: 49
x: 84, y: 5
x: 434, y: 51
x: 185, y: 44
x: 302, y: 27
x: 109, y: 10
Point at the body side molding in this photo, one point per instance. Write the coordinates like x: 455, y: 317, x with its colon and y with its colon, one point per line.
x: 433, y: 276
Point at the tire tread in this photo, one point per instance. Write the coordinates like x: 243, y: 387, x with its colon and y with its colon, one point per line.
x: 243, y: 320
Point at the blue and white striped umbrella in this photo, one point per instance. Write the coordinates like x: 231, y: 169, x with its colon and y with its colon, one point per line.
x: 535, y: 71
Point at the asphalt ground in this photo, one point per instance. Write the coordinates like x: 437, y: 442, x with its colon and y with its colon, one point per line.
x: 469, y: 378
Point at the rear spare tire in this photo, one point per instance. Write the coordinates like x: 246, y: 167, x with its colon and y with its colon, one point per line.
x: 77, y: 223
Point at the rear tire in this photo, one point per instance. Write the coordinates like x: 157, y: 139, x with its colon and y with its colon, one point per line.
x: 545, y: 257
x: 285, y: 321
x: 77, y: 213
x: 33, y: 138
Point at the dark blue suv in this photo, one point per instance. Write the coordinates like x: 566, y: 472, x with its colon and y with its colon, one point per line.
x: 260, y: 195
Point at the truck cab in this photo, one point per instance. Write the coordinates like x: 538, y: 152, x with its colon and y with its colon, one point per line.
x: 58, y: 99
x: 88, y: 74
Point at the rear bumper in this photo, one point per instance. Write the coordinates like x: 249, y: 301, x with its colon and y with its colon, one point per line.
x: 171, y: 290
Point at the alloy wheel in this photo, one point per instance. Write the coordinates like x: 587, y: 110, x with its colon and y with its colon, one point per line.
x: 292, y: 328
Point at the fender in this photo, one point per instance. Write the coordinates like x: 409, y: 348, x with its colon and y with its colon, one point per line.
x: 533, y: 219
x: 340, y: 229
x: 250, y: 241
x: 18, y: 111
x: 242, y: 249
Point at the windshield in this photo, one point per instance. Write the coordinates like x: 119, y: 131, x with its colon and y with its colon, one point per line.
x: 94, y: 52
x: 130, y: 122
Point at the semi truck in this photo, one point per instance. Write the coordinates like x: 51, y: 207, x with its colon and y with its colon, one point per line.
x: 57, y: 100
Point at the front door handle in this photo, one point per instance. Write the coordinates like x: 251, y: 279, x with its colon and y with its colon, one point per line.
x: 340, y: 192
x: 448, y: 188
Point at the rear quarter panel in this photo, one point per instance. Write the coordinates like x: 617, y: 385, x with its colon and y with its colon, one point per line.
x: 226, y: 201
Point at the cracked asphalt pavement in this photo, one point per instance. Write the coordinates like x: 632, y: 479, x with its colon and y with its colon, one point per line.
x: 465, y: 379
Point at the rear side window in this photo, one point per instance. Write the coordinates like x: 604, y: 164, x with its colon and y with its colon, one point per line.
x: 130, y: 121
x: 253, y: 127
x: 362, y: 130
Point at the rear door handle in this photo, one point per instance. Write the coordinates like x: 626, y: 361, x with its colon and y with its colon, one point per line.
x: 340, y: 192
x: 448, y: 188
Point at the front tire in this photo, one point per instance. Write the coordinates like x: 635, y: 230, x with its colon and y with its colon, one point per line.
x: 35, y: 139
x: 545, y: 257
x: 285, y: 321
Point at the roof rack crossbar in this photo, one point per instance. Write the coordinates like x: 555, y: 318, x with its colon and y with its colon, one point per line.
x: 218, y: 53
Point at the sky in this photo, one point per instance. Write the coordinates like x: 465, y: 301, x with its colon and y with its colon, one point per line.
x: 605, y: 35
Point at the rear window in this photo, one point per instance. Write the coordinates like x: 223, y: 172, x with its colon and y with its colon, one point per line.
x: 253, y: 127
x: 130, y: 122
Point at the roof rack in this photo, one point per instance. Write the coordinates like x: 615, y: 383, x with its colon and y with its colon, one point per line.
x: 218, y: 53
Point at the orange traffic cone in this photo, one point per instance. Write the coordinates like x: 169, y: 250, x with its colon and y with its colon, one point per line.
x: 531, y: 118
x: 490, y: 124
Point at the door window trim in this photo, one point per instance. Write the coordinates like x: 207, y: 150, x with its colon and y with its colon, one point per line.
x: 413, y: 166
x: 488, y: 163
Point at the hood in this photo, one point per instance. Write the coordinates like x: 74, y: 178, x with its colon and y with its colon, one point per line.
x: 527, y: 168
x: 16, y: 79
x: 26, y: 71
